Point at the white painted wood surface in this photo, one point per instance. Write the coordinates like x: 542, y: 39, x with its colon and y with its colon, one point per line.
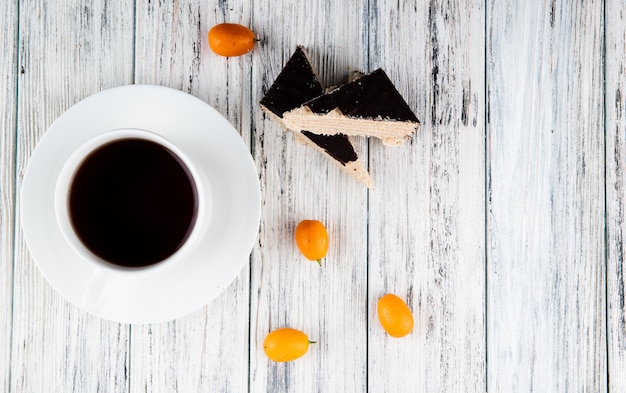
x: 8, y: 111
x: 428, y: 246
x: 206, y: 351
x: 546, y: 315
x: 327, y: 303
x: 67, y: 50
x: 490, y: 222
x: 615, y: 102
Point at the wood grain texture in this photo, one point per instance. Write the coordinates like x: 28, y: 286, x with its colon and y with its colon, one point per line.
x: 615, y: 102
x: 490, y: 222
x: 428, y: 245
x: 206, y: 351
x: 546, y: 264
x: 8, y: 112
x: 67, y: 50
x: 328, y: 303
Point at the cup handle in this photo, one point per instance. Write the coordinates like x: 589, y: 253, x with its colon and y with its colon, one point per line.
x: 96, y: 288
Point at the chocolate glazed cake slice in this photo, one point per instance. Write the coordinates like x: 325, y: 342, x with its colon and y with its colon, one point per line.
x: 297, y: 83
x: 368, y: 106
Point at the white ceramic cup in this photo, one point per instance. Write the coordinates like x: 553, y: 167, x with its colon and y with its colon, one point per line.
x: 63, y: 187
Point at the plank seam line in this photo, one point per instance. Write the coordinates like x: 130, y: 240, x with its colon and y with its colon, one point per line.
x: 250, y: 258
x: 606, y: 219
x: 367, y: 221
x: 135, y: 17
x: 13, y: 229
x: 486, y: 193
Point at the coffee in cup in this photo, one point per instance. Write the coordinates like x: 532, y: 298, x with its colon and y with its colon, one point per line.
x: 131, y: 201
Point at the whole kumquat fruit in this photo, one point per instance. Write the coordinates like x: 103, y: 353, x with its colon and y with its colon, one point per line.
x: 231, y: 39
x: 312, y: 240
x: 286, y: 344
x: 395, y: 316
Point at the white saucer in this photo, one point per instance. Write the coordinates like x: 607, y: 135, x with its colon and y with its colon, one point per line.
x: 218, y: 153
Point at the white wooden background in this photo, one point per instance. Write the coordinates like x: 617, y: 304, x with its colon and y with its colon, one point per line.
x: 502, y: 222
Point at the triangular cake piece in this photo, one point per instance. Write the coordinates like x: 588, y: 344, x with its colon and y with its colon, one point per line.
x: 296, y: 84
x: 370, y: 106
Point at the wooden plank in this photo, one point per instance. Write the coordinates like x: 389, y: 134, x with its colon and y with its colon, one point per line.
x: 67, y: 51
x: 546, y: 264
x: 327, y: 303
x: 206, y: 351
x: 428, y: 246
x: 616, y: 191
x: 8, y: 112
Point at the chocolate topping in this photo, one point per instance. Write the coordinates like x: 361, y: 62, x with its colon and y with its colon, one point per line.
x: 372, y: 96
x: 337, y: 146
x: 296, y: 84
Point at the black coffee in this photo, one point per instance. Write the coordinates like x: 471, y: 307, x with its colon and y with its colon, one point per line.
x: 133, y: 202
